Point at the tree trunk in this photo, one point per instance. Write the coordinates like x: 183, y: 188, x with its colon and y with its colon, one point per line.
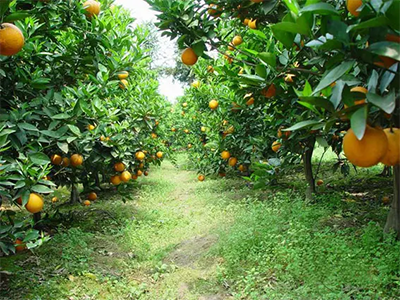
x: 74, y: 194
x: 36, y: 219
x: 308, y: 171
x: 97, y: 179
x: 393, y: 220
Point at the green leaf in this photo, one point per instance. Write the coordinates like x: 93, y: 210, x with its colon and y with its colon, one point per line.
x: 302, y: 125
x: 75, y: 130
x: 267, y: 6
x: 268, y: 58
x: 293, y: 6
x: 63, y: 146
x: 387, y: 78
x: 41, y: 189
x: 62, y: 116
x: 40, y: 159
x: 337, y: 91
x: 27, y: 126
x: 359, y: 121
x: 261, y: 70
x: 322, y: 142
x: 319, y: 102
x: 375, y: 22
x: 284, y: 37
x: 320, y: 8
x: 291, y: 28
x: 388, y: 49
x: 16, y: 16
x: 386, y: 103
x: 333, y: 75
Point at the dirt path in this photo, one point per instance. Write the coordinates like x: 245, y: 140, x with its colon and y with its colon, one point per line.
x: 189, y: 213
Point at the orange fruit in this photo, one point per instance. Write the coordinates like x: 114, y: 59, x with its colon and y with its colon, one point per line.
x: 222, y: 174
x: 146, y: 173
x: 76, y: 160
x: 119, y: 167
x: 173, y: 129
x: 92, y: 196
x: 270, y: 92
x: 392, y: 156
x: 123, y: 75
x: 353, y: 6
x: 54, y: 199
x: 11, y: 39
x: 201, y: 177
x: 86, y: 203
x: 195, y: 84
x: 320, y: 182
x: 65, y: 162
x: 91, y: 127
x: 189, y: 57
x: 276, y: 146
x: 368, y: 151
x: 21, y: 246
x: 153, y: 135
x: 225, y: 155
x: 123, y: 84
x: 210, y: 69
x: 213, y: 104
x: 189, y: 146
x: 115, y: 180
x: 214, y: 11
x: 92, y: 8
x: 237, y: 40
x: 140, y: 155
x: 385, y: 200
x: 139, y: 173
x: 232, y: 161
x: 203, y: 129
x: 35, y: 203
x: 159, y: 154
x: 19, y: 200
x: 242, y: 168
x: 279, y: 135
x: 186, y: 131
x: 125, y: 176
x: 246, y: 22
x: 56, y: 159
x: 134, y: 177
x: 252, y: 24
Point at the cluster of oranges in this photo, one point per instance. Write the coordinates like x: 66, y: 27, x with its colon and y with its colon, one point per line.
x: 76, y: 160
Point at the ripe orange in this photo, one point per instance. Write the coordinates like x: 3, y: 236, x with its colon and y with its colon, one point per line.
x: 225, y: 155
x: 242, y: 168
x: 392, y: 156
x: 153, y: 135
x: 65, y: 162
x: 237, y: 40
x: 115, y: 180
x: 159, y: 154
x: 19, y: 200
x: 173, y: 129
x: 119, y: 167
x: 140, y: 155
x: 123, y: 84
x: 91, y: 127
x: 368, y: 151
x: 252, y: 24
x: 11, y: 39
x: 125, y: 176
x: 186, y: 131
x: 203, y: 129
x: 232, y: 161
x: 276, y: 146
x: 76, y: 160
x: 92, y: 8
x: 86, y: 203
x: 123, y: 75
x: 146, y: 173
x: 195, y: 84
x: 134, y: 177
x: 35, y: 203
x: 210, y: 69
x: 21, y: 246
x: 54, y: 199
x: 353, y: 5
x: 213, y: 104
x: 189, y: 57
x: 270, y: 92
x: 139, y: 173
x: 222, y: 174
x: 201, y: 177
x: 246, y: 22
x: 279, y: 135
x: 189, y: 146
x: 92, y: 196
x: 56, y: 159
x: 320, y: 182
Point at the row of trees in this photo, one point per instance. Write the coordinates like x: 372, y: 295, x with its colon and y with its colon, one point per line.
x: 290, y: 74
x: 78, y: 106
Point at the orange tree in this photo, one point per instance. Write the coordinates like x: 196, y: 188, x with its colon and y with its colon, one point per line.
x: 78, y: 105
x: 337, y: 60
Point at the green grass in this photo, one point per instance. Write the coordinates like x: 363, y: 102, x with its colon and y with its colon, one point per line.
x: 182, y: 239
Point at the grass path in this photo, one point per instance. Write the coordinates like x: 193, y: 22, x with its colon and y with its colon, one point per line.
x: 154, y: 247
